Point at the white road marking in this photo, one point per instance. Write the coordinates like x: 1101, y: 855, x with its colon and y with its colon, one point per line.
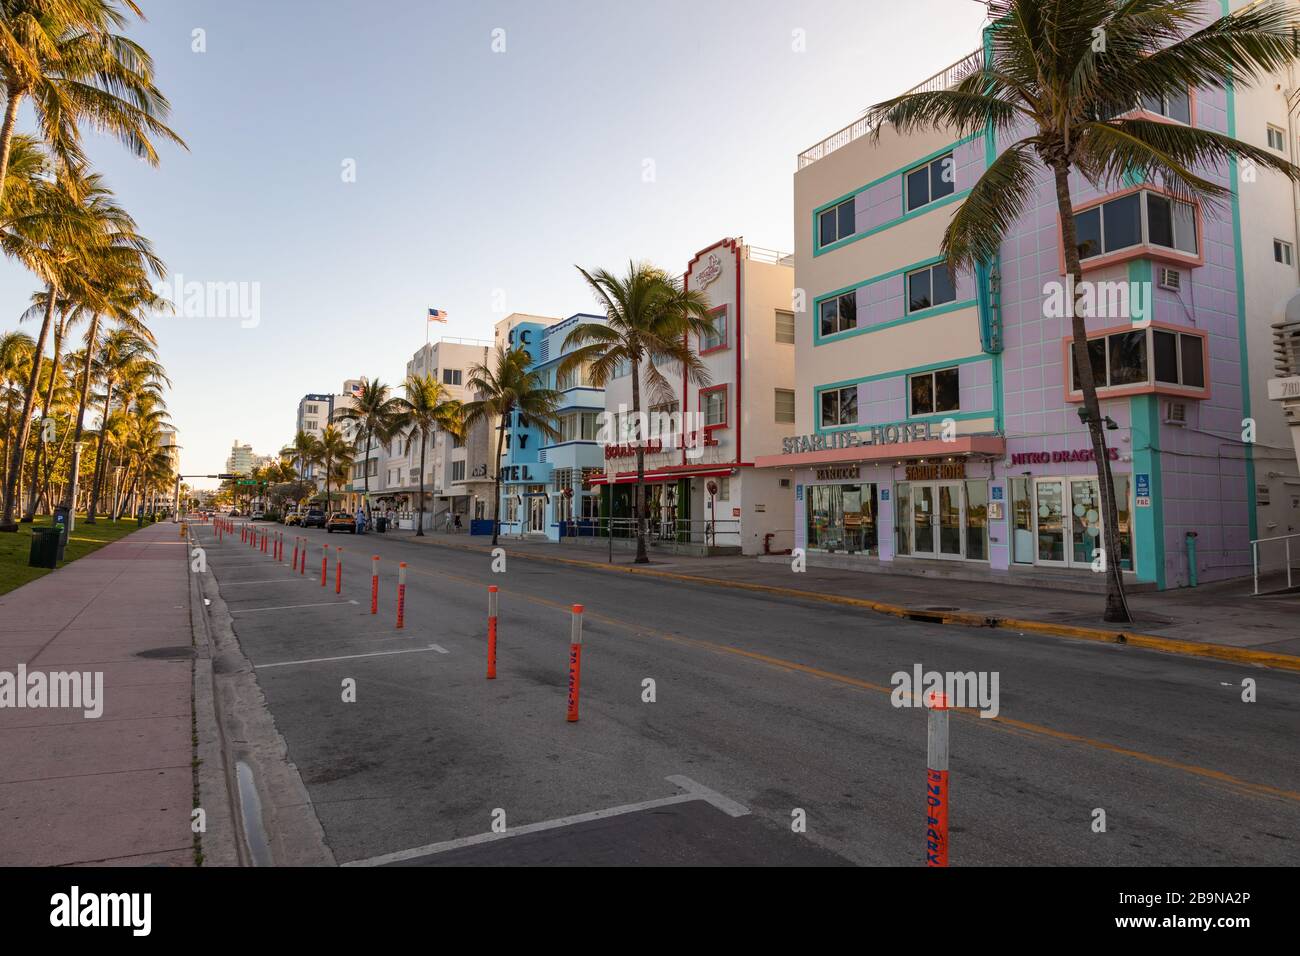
x: 293, y: 607
x: 230, y: 584
x: 439, y: 648
x: 350, y: 657
x: 695, y: 791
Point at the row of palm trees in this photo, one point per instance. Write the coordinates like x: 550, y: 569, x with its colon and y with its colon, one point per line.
x: 60, y: 221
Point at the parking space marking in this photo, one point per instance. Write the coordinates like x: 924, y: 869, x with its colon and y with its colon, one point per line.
x: 294, y: 607
x: 694, y: 791
x: 350, y: 657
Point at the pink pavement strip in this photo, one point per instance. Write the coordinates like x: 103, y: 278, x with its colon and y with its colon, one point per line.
x: 117, y: 789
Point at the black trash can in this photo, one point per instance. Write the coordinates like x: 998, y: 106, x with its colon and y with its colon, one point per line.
x: 381, y: 524
x: 45, y: 548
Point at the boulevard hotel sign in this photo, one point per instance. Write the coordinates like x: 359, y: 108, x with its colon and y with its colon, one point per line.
x: 873, y: 436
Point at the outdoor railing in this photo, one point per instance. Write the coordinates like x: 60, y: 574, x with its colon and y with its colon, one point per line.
x: 1254, y: 555
x: 946, y: 78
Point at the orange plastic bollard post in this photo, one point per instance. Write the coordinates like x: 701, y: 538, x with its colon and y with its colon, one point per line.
x: 492, y: 632
x: 338, y: 572
x: 575, y: 661
x: 374, y: 584
x: 401, y: 595
x: 936, y: 782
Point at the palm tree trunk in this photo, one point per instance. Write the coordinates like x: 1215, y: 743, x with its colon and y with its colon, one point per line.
x: 7, y: 136
x: 70, y: 495
x: 39, y: 479
x: 96, y: 482
x: 1116, y: 605
x: 638, y: 507
x: 419, y: 527
x: 7, y: 522
x: 496, y: 508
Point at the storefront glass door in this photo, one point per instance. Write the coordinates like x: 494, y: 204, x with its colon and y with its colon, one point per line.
x: 922, y: 520
x: 1085, y: 523
x: 1049, y: 522
x: 950, y: 523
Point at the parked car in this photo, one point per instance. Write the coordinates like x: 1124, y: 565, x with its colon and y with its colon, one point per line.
x: 234, y: 512
x: 259, y: 515
x: 293, y: 517
x: 314, y: 518
x: 341, y: 521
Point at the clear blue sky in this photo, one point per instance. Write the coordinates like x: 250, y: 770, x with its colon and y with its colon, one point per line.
x: 475, y: 170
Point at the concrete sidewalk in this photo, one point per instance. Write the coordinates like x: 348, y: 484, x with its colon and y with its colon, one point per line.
x: 1223, y: 614
x: 117, y: 789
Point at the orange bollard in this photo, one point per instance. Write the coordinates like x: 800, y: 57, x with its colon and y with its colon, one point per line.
x: 324, y: 563
x: 338, y: 573
x: 575, y: 661
x: 295, y: 553
x: 936, y: 782
x: 401, y: 594
x: 303, y: 564
x: 492, y: 632
x: 374, y: 584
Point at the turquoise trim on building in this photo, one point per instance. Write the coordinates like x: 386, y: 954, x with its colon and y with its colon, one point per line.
x: 1252, y: 504
x: 987, y: 340
x: 1148, y: 523
x: 819, y: 339
x: 818, y: 248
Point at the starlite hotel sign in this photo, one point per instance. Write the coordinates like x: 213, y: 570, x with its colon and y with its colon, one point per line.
x: 875, y: 435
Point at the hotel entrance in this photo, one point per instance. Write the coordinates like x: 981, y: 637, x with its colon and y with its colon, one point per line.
x: 942, y: 519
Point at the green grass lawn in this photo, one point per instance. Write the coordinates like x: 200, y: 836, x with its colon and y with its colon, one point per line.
x: 85, y: 538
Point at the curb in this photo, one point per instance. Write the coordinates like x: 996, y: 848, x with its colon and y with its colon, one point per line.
x: 1168, y: 645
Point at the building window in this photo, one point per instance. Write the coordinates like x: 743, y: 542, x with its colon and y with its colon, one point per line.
x: 451, y: 376
x: 716, y: 337
x: 1282, y: 252
x: 621, y: 367
x: 1144, y: 357
x: 1276, y: 139
x: 932, y: 181
x: 784, y: 326
x: 929, y: 287
x: 839, y: 313
x: 934, y: 392
x: 785, y: 406
x: 1179, y: 359
x: 1176, y: 107
x: 713, y: 403
x: 312, y: 410
x: 839, y: 406
x: 458, y: 471
x: 835, y: 223
x: 1133, y: 219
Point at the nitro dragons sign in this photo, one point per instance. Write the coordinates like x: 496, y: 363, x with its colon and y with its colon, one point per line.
x: 875, y: 435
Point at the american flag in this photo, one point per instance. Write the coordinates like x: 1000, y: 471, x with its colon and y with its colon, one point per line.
x: 437, y: 315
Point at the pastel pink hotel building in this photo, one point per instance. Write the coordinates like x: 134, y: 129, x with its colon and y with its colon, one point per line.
x: 890, y: 349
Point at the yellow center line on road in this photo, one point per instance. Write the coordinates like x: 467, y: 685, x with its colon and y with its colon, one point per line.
x: 1005, y: 724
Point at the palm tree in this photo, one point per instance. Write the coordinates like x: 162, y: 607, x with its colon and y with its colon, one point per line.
x: 376, y: 412
x: 426, y: 411
x: 63, y: 56
x: 127, y: 365
x: 16, y: 351
x: 301, y: 451
x: 650, y: 320
x: 1046, y: 75
x: 333, y: 452
x: 510, y: 389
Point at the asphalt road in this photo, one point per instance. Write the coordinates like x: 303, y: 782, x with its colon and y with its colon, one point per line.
x: 766, y: 710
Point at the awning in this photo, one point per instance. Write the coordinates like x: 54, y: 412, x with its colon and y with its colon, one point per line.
x: 994, y: 445
x: 626, y: 478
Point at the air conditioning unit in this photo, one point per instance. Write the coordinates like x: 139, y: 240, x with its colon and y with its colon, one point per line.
x: 785, y: 482
x: 1170, y: 279
x: 1176, y: 413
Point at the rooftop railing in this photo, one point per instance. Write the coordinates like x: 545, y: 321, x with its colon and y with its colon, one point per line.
x: 945, y: 79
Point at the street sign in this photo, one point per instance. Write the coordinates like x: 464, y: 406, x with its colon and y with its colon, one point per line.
x: 1143, y: 490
